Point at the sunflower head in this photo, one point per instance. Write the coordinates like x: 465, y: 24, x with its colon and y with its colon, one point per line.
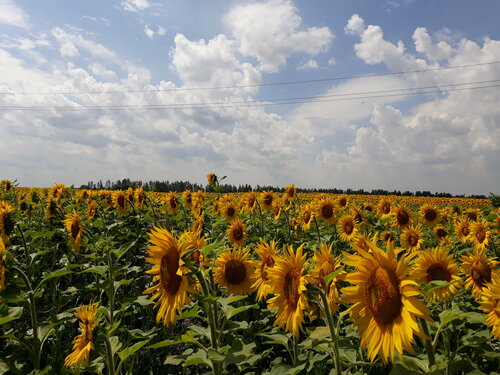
x: 347, y: 227
x: 267, y: 253
x: 462, y: 229
x: 384, y: 208
x: 290, y: 191
x: 473, y: 214
x: 480, y: 233
x: 211, y: 178
x: 140, y: 196
x: 171, y: 202
x: 478, y: 270
x: 120, y: 201
x: 187, y: 199
x: 75, y: 230
x: 267, y: 198
x: 325, y: 210
x: 237, y: 233
x: 440, y: 232
x: 429, y: 214
x: 229, y: 211
x: 92, y: 210
x: 249, y: 201
x: 306, y: 217
x: 411, y: 238
x: 342, y: 201
x: 235, y: 271
x: 401, y: 217
x: 490, y: 304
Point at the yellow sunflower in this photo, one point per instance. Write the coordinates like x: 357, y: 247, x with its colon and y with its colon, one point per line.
x: 187, y: 199
x: 473, y: 214
x: 325, y: 210
x: 6, y: 223
x: 193, y: 240
x: 411, y: 238
x: 384, y: 302
x: 490, y: 304
x: 401, y: 217
x: 75, y: 229
x: 429, y: 214
x: 119, y: 201
x: 249, y: 201
x: 437, y: 264
x: 211, y: 178
x: 440, y: 232
x: 478, y: 269
x: 229, y: 211
x: 290, y: 191
x: 347, y: 228
x: 306, y: 217
x: 83, y: 344
x: 289, y: 286
x: 235, y: 271
x: 359, y: 215
x: 384, y: 208
x: 267, y: 253
x: 462, y: 229
x: 387, y: 236
x: 3, y: 265
x: 92, y: 210
x: 342, y: 201
x: 171, y: 202
x: 324, y: 264
x: 480, y: 233
x: 170, y: 272
x: 267, y: 198
x: 237, y: 233
x: 140, y: 196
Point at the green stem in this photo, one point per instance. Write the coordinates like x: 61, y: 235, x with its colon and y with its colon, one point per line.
x: 152, y: 208
x: 26, y: 248
x: 109, y: 356
x: 428, y: 345
x: 111, y: 290
x: 295, y: 351
x: 317, y: 229
x: 331, y: 326
x: 261, y: 219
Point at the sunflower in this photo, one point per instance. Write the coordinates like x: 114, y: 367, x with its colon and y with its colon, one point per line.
x: 368, y: 207
x: 325, y: 210
x: 92, y: 210
x: 384, y: 302
x: 324, y: 264
x: 478, y: 269
x: 6, y: 185
x: 347, y: 228
x: 194, y: 242
x: 119, y: 201
x: 437, y: 264
x: 473, y: 214
x: 462, y: 229
x: 359, y: 215
x: 490, y: 304
x: 440, y: 232
x: 384, y: 208
x: 342, y: 201
x: 140, y: 196
x: 83, y: 344
x: 75, y: 229
x: 50, y: 208
x: 187, y: 199
x: 267, y: 253
x: 237, y: 233
x: 211, y: 178
x: 289, y: 286
x: 290, y: 191
x: 267, y: 198
x: 411, y: 238
x: 229, y: 211
x: 429, y: 214
x: 480, y: 233
x: 6, y: 223
x: 306, y: 217
x: 169, y: 270
x: 3, y: 262
x: 387, y: 236
x: 198, y: 199
x: 235, y: 271
x: 171, y: 201
x: 401, y: 217
x: 249, y: 201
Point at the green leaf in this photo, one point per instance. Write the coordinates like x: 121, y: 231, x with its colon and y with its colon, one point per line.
x: 115, y: 344
x: 186, y: 338
x: 237, y: 310
x: 101, y: 270
x: 276, y: 338
x: 209, y: 248
x: 436, y: 284
x: 328, y: 278
x: 13, y: 314
x: 197, y: 358
x: 125, y: 353
x: 54, y: 274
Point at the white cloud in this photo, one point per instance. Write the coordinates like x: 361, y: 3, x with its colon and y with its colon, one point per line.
x: 149, y: 32
x: 68, y: 49
x: 271, y: 32
x: 355, y: 25
x: 101, y: 71
x: 309, y: 64
x: 424, y: 44
x: 135, y: 5
x: 11, y: 14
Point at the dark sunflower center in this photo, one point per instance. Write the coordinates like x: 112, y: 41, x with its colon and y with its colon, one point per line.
x: 230, y: 211
x: 75, y: 228
x: 169, y: 279
x: 441, y: 233
x: 263, y: 272
x: 268, y: 200
x: 307, y: 217
x: 465, y: 231
x: 369, y: 208
x: 348, y: 227
x: 430, y: 215
x: 343, y: 202
x: 291, y: 288
x: 437, y: 271
x: 386, y: 208
x: 251, y: 202
x: 327, y: 211
x: 235, y: 272
x: 173, y: 203
x: 472, y: 216
x: 403, y: 217
x: 238, y: 233
x: 413, y: 239
x: 196, y: 257
x: 121, y: 201
x: 388, y: 237
x: 382, y: 296
x: 480, y: 273
x: 480, y: 235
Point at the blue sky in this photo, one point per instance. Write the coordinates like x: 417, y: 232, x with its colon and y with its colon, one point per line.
x: 162, y: 52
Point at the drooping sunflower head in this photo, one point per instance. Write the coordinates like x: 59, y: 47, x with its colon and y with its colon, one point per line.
x: 75, y: 229
x: 235, y: 271
x: 170, y: 273
x: 92, y: 210
x: 473, y: 214
x: 480, y: 233
x: 289, y: 286
x: 140, y: 196
x: 437, y: 264
x: 384, y: 208
x: 290, y: 191
x: 429, y: 214
x: 478, y: 270
x: 347, y: 227
x: 401, y: 217
x: 211, y: 178
x: 267, y: 253
x: 83, y: 344
x: 325, y: 210
x: 170, y: 201
x: 411, y: 238
x: 490, y: 304
x: 187, y: 199
x: 267, y: 200
x: 237, y: 233
x: 6, y: 185
x: 249, y: 201
x: 359, y: 215
x: 384, y: 302
x: 120, y: 201
x: 194, y: 242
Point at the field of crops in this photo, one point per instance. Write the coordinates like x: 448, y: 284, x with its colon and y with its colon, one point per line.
x: 129, y: 282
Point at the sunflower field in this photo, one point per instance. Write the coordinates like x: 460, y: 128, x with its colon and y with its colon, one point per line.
x: 135, y: 282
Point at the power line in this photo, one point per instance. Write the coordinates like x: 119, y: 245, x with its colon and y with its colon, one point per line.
x: 252, y: 85
x: 287, y: 101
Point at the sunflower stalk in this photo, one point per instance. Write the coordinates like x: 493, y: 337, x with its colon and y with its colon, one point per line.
x: 109, y: 355
x: 152, y: 208
x: 317, y: 229
x: 26, y: 248
x: 333, y: 333
x: 428, y: 344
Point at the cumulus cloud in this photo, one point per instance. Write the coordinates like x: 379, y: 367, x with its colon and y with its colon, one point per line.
x: 150, y: 32
x: 11, y: 14
x: 309, y: 64
x: 135, y: 5
x: 271, y: 31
